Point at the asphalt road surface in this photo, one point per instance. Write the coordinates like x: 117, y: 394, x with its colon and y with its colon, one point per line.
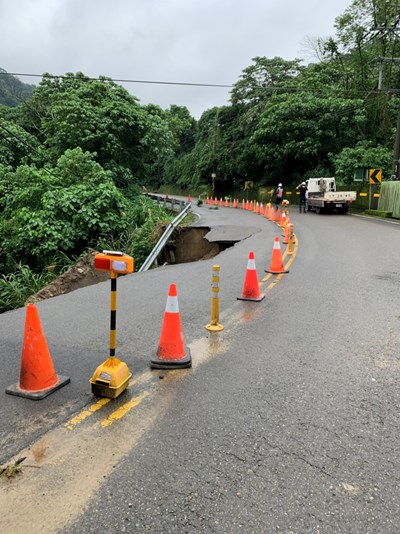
x: 287, y: 422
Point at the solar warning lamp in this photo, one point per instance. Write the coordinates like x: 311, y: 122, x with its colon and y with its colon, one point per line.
x: 111, y: 378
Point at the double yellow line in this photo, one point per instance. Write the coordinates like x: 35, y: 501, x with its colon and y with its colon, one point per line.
x: 116, y: 414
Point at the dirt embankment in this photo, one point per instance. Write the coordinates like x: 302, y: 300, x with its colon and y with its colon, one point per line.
x: 82, y: 274
x: 187, y: 245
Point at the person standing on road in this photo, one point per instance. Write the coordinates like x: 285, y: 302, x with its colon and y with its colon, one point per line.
x: 278, y: 196
x: 303, y: 196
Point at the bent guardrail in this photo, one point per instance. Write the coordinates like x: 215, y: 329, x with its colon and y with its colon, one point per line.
x: 164, y: 238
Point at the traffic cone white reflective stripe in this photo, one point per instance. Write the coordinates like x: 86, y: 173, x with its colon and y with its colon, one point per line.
x: 172, y: 305
x: 251, y: 264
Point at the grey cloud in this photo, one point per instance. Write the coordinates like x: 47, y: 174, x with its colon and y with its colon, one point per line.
x: 171, y: 40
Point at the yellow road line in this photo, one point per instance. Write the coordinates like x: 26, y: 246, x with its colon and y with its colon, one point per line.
x: 86, y: 413
x: 123, y: 410
x: 78, y: 419
x: 288, y: 264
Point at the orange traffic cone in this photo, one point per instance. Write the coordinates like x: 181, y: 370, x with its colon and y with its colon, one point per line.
x: 278, y: 218
x: 272, y: 216
x: 171, y: 352
x: 276, y: 265
x: 38, y: 377
x: 251, y: 288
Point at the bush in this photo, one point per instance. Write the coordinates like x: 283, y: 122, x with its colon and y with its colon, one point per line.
x: 378, y: 213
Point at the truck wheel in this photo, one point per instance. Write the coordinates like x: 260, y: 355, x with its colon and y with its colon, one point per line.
x: 344, y: 209
x: 318, y: 210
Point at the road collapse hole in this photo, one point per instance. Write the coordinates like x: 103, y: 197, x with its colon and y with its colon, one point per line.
x: 189, y: 244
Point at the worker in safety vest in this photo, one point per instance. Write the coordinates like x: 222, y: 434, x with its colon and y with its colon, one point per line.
x: 278, y: 196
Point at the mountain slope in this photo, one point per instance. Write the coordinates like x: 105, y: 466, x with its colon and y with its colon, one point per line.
x: 12, y: 90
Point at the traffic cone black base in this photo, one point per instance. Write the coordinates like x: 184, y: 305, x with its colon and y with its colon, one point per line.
x: 260, y: 298
x: 182, y: 363
x: 37, y: 395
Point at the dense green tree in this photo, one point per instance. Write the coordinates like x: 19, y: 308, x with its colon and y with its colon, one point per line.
x: 362, y: 155
x: 264, y: 77
x: 65, y: 208
x: 299, y: 132
x: 16, y: 144
x: 100, y: 117
x: 183, y: 126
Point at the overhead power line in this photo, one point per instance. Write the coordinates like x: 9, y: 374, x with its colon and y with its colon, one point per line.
x: 272, y: 89
x: 120, y: 80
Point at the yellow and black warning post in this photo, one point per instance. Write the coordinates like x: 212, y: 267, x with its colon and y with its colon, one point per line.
x: 214, y: 325
x: 111, y: 378
x: 291, y: 239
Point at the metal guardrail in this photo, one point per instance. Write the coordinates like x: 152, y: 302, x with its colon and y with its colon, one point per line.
x: 170, y: 203
x: 169, y: 229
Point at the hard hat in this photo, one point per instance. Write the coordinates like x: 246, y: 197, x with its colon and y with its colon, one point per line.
x: 279, y: 185
x: 303, y: 183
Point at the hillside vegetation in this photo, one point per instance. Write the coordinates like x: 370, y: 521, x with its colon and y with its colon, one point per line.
x: 75, y: 154
x: 12, y: 90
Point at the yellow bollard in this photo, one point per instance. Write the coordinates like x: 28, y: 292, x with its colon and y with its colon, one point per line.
x: 214, y: 325
x: 291, y: 239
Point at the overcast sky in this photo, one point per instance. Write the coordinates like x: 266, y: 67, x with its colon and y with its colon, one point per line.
x: 195, y: 41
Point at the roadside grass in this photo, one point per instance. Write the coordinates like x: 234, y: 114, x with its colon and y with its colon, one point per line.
x: 11, y: 470
x: 18, y: 286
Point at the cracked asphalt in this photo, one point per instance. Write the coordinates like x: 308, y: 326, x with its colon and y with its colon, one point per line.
x: 295, y: 427
x: 289, y: 419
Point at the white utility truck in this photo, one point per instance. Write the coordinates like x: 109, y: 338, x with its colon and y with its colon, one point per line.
x: 322, y: 196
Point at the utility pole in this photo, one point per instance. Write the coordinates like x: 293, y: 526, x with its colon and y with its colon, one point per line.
x: 214, y: 146
x: 396, y: 150
x: 382, y: 31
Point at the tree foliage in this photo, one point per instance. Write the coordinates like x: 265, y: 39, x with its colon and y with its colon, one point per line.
x: 74, y: 154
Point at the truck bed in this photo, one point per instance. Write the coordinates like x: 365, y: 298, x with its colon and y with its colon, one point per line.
x: 334, y: 196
